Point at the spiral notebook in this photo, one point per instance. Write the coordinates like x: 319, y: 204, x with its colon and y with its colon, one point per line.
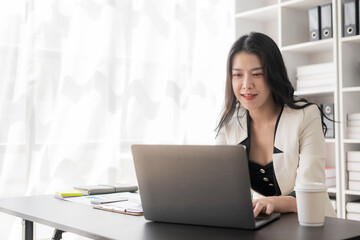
x: 105, y: 188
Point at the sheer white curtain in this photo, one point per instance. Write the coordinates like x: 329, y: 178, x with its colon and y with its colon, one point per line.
x: 81, y: 80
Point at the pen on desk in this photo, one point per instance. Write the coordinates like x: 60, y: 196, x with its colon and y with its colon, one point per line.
x: 104, y: 201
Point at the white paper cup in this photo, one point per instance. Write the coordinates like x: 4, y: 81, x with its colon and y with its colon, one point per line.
x: 310, y: 200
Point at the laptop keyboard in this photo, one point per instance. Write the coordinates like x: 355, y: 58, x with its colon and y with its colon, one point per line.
x: 261, y: 217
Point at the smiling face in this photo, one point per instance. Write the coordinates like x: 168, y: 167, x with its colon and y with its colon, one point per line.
x: 249, y: 82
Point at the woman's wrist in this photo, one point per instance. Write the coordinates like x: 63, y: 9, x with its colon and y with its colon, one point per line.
x: 284, y: 204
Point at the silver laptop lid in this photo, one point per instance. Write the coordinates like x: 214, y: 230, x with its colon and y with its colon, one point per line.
x: 195, y: 184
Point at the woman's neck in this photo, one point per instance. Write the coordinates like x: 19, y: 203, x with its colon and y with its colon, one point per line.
x: 266, y: 114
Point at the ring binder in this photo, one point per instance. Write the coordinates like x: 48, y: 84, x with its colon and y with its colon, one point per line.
x: 314, y: 23
x: 351, y: 18
x: 326, y: 21
x: 358, y: 14
x: 329, y: 112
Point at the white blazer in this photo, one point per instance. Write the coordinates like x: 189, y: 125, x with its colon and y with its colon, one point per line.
x: 300, y: 138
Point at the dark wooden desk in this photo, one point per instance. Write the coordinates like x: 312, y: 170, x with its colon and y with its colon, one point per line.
x: 97, y: 224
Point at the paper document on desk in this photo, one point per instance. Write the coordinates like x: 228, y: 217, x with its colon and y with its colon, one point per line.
x: 131, y: 197
x: 126, y: 207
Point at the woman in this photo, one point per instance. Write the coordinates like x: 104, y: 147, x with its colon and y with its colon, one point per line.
x: 283, y: 135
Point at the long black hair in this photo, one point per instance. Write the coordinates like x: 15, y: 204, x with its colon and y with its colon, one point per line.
x: 274, y: 71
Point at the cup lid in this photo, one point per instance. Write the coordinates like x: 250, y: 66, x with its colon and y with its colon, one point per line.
x: 311, y: 187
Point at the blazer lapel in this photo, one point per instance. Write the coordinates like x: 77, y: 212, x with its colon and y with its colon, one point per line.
x: 279, y: 164
x: 242, y: 128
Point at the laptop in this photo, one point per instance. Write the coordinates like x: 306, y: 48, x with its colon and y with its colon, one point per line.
x: 196, y: 184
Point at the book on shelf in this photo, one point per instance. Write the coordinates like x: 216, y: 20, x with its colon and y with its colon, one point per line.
x: 354, y: 176
x: 105, y: 188
x: 327, y: 79
x: 353, y: 156
x: 314, y: 85
x: 330, y: 182
x: 315, y: 76
x: 353, y: 123
x: 330, y: 172
x: 353, y: 135
x: 354, y: 185
x: 353, y: 116
x: 323, y: 77
x: 353, y: 166
x: 353, y: 216
x: 302, y: 85
x: 313, y: 69
x: 353, y: 207
x: 353, y: 126
x: 353, y: 130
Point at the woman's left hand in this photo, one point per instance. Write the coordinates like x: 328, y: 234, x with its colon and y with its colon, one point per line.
x: 263, y: 205
x: 268, y: 205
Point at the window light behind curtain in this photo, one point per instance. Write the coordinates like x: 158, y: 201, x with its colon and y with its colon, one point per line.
x: 81, y: 81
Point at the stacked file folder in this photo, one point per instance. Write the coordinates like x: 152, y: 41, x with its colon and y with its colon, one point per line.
x: 316, y: 76
x: 353, y: 126
x: 353, y: 210
x: 330, y: 174
x: 353, y: 167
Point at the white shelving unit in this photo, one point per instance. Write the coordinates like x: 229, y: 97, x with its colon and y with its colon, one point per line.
x: 286, y: 21
x: 349, y: 90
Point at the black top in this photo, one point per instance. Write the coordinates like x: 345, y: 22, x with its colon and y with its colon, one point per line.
x: 262, y: 178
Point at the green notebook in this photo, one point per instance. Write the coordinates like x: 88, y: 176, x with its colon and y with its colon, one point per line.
x: 69, y: 193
